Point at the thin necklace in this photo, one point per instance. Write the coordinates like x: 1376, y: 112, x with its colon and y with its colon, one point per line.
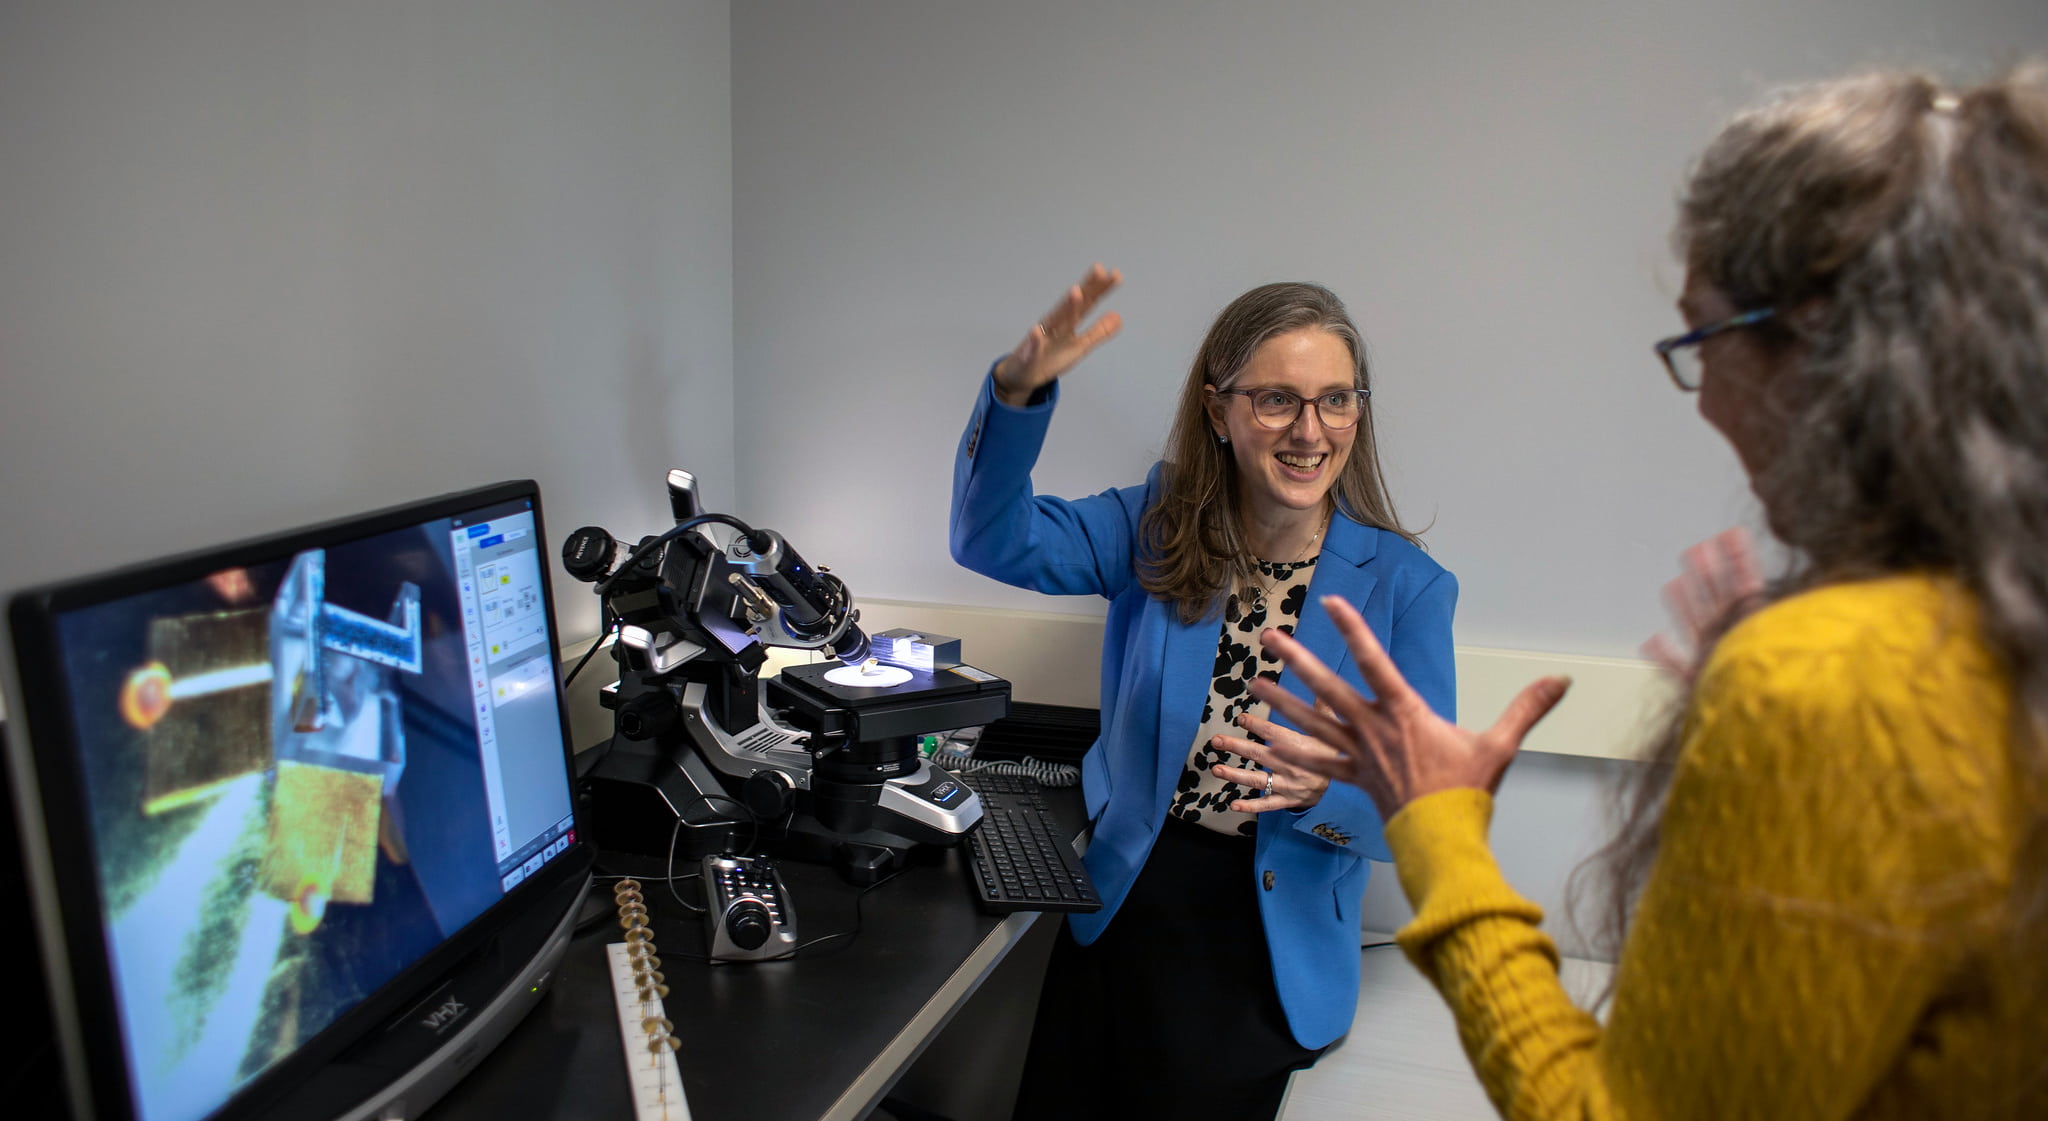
x: 1259, y: 592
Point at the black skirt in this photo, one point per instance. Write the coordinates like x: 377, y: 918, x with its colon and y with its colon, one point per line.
x: 1172, y: 1012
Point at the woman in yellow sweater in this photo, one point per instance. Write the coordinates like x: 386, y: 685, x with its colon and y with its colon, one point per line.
x: 1837, y: 861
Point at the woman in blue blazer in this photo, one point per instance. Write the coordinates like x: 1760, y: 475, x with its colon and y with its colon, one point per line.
x: 1225, y: 955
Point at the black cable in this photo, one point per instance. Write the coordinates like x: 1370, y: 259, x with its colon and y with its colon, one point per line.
x: 640, y: 552
x: 1030, y: 766
x: 753, y: 823
x: 849, y: 935
x: 604, y: 917
x: 607, y: 625
x: 604, y: 913
x: 587, y: 761
x: 674, y: 836
x: 671, y: 877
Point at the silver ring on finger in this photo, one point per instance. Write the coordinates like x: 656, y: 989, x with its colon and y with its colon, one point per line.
x: 1269, y: 785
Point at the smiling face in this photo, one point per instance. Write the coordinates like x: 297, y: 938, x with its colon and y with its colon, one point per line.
x: 1287, y: 469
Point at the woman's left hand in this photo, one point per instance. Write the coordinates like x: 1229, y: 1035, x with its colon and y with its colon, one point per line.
x: 1293, y: 788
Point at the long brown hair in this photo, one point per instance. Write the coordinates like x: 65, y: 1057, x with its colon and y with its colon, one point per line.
x: 1901, y: 233
x: 1192, y: 538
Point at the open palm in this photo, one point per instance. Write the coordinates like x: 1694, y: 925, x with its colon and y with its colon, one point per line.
x: 1058, y: 341
x: 1392, y: 745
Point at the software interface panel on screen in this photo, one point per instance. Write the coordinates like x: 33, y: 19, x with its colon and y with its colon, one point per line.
x: 303, y: 776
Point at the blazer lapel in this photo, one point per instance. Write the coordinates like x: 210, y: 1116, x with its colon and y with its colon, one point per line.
x: 1340, y: 571
x: 1188, y: 670
x: 1190, y: 654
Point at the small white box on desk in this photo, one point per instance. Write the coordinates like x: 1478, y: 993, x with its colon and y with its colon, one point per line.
x: 901, y: 646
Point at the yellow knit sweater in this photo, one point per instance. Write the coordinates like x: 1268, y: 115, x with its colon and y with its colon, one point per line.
x: 1821, y: 935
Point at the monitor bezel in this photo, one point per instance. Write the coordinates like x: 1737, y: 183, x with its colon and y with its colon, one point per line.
x: 61, y: 858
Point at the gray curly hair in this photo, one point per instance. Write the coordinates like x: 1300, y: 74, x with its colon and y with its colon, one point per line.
x: 1900, y: 231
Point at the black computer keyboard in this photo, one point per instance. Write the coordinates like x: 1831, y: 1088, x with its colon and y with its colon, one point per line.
x: 1018, y: 857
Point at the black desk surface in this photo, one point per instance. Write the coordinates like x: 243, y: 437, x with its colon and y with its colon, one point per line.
x: 823, y: 1035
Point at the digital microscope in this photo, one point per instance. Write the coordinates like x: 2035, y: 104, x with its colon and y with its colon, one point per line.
x: 819, y: 762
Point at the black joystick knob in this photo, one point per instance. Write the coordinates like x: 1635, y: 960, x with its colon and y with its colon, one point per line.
x: 746, y: 923
x: 587, y: 554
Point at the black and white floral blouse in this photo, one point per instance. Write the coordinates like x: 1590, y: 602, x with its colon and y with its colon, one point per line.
x: 1201, y: 798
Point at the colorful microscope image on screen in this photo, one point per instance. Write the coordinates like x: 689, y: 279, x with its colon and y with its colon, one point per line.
x: 271, y: 760
x: 301, y: 690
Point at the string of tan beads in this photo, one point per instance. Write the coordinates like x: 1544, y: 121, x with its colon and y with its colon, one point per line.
x: 657, y: 1085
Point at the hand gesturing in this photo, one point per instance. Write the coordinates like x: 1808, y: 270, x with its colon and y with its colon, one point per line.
x: 1392, y: 746
x: 1057, y: 342
x: 1721, y: 577
x: 1274, y: 782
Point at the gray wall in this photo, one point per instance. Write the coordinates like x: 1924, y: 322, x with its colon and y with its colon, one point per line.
x: 265, y: 262
x: 270, y: 261
x: 1488, y: 184
x: 1553, y: 812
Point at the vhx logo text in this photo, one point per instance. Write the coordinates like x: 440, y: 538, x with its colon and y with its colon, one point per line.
x: 447, y: 1014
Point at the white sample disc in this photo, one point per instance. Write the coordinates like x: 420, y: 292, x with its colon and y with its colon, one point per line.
x: 881, y: 677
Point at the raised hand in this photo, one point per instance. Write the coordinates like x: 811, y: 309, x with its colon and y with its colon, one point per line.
x: 1720, y: 577
x: 1057, y: 341
x: 1275, y: 783
x: 1392, y: 746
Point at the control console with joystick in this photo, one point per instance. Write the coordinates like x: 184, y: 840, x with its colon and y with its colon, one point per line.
x: 746, y: 915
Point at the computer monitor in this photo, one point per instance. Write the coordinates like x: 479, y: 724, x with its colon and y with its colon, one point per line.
x: 297, y: 813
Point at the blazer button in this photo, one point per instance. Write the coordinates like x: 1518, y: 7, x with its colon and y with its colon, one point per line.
x: 1269, y: 879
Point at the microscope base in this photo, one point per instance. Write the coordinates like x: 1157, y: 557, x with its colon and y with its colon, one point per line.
x: 632, y: 798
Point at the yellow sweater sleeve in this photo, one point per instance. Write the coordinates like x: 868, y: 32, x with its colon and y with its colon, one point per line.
x: 1829, y: 851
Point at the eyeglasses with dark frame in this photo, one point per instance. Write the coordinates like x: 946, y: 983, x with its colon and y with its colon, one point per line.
x: 1272, y: 407
x: 1680, y: 353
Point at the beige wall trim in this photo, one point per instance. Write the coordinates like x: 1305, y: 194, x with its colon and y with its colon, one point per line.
x: 1613, y: 705
x: 1053, y: 658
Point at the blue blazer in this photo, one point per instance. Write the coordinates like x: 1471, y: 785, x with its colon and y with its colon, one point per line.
x: 1310, y: 866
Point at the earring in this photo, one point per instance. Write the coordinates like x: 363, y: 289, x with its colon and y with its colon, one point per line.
x: 1222, y: 439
